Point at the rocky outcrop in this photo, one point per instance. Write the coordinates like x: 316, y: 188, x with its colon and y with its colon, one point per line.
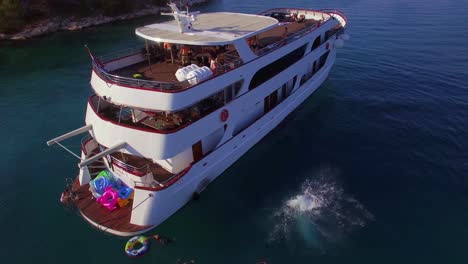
x: 70, y: 24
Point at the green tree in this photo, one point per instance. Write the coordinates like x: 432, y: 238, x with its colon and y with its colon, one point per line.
x: 11, y: 16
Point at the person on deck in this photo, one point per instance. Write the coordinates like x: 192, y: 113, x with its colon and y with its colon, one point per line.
x: 294, y: 17
x: 213, y: 63
x: 168, y: 48
x: 185, y: 55
x: 301, y: 18
x: 284, y: 35
x: 255, y: 45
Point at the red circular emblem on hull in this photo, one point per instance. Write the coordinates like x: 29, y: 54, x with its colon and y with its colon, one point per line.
x: 224, y: 115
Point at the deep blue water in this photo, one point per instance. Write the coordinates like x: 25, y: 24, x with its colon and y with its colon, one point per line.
x: 382, y: 146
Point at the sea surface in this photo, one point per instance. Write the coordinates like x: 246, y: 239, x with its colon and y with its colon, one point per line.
x: 372, y: 168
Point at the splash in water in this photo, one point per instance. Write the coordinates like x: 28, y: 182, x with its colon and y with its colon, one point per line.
x: 320, y: 213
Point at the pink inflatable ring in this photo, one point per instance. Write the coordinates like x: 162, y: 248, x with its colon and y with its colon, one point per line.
x: 109, y: 199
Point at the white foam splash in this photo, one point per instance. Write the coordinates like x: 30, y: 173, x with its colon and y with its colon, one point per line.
x: 320, y: 213
x: 305, y: 202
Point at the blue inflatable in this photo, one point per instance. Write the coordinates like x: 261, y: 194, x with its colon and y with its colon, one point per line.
x: 100, y: 184
x: 107, y: 179
x: 125, y: 192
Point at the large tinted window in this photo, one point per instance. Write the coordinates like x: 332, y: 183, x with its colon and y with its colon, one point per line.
x: 268, y: 72
x: 316, y: 43
x: 323, y: 59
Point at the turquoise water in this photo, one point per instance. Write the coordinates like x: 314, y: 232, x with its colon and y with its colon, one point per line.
x: 371, y: 169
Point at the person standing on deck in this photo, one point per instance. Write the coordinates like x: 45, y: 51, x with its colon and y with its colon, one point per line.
x: 213, y: 63
x: 168, y: 49
x: 185, y: 55
x: 284, y: 35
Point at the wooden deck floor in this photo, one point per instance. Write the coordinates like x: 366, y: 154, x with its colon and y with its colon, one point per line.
x: 118, y: 220
x: 160, y: 71
x: 274, y: 35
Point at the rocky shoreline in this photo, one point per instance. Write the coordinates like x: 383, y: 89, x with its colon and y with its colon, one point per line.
x: 51, y: 25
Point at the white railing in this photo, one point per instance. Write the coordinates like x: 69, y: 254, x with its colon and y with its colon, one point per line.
x: 155, y: 185
x: 120, y: 54
x: 232, y: 60
x: 125, y: 81
x: 142, y: 171
x: 289, y: 39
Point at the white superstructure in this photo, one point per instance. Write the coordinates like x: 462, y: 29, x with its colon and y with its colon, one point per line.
x: 170, y: 116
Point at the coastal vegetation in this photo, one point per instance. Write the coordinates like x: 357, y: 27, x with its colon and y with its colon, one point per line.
x: 11, y: 15
x: 17, y: 14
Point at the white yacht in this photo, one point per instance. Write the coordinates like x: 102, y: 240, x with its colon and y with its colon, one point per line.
x: 168, y: 117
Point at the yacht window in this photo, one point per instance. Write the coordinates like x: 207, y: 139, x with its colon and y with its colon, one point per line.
x: 316, y: 43
x: 323, y: 59
x: 228, y: 94
x: 237, y: 87
x: 271, y: 70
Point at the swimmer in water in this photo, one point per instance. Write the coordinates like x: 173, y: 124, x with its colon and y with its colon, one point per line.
x: 162, y: 240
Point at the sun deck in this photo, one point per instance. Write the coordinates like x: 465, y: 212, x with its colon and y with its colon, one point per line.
x: 154, y: 65
x: 162, y: 67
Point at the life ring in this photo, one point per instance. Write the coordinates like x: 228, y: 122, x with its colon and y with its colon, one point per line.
x: 224, y: 115
x: 132, y: 251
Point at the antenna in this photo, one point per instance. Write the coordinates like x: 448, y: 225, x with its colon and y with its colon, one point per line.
x: 184, y: 19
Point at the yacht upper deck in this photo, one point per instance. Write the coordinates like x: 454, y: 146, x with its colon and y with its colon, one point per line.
x: 218, y: 28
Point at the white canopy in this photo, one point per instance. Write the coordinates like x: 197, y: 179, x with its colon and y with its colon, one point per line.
x: 218, y: 28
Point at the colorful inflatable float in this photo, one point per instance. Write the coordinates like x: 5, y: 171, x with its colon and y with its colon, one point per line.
x: 137, y: 246
x: 110, y: 191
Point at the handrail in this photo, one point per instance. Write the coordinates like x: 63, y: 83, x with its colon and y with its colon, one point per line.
x: 335, y: 11
x: 289, y: 39
x: 84, y: 141
x: 102, y: 72
x: 277, y: 9
x: 234, y: 61
x: 332, y: 10
x: 164, y: 184
x: 138, y: 82
x: 119, y: 54
x: 129, y: 168
x: 141, y: 172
